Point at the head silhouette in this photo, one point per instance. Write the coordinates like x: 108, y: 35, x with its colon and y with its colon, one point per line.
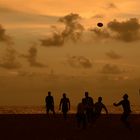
x: 64, y: 95
x: 86, y: 94
x: 49, y: 93
x: 125, y: 96
x: 100, y: 99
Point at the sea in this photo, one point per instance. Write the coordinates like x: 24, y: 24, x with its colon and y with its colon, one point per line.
x: 42, y: 110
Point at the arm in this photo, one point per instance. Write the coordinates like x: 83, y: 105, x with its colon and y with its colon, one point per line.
x: 105, y: 109
x: 117, y: 104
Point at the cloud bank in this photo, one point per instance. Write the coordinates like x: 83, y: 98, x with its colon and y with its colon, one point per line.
x: 72, y: 30
x: 9, y: 60
x: 79, y: 62
x: 3, y: 36
x: 126, y: 31
x: 113, y: 55
x: 32, y: 57
x: 111, y: 69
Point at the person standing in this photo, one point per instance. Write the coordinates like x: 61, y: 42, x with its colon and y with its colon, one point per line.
x: 64, y: 105
x: 125, y: 103
x: 81, y: 115
x: 49, y: 103
x: 88, y: 102
x: 98, y: 108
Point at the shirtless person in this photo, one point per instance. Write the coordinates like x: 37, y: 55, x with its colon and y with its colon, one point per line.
x: 98, y: 108
x: 126, y: 110
x: 64, y: 105
x: 49, y: 103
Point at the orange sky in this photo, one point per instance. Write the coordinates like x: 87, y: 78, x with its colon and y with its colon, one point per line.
x: 57, y: 46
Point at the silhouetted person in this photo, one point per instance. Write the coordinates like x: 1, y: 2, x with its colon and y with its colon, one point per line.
x: 88, y: 102
x: 81, y: 114
x: 64, y: 105
x: 126, y: 109
x: 98, y: 108
x: 49, y: 103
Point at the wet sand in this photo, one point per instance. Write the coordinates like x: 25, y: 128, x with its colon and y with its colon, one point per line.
x: 40, y: 127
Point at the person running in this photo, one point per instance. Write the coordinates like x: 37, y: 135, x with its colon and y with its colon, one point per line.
x: 64, y: 105
x: 49, y: 103
x: 81, y: 114
x: 88, y: 102
x: 125, y: 103
x: 98, y: 108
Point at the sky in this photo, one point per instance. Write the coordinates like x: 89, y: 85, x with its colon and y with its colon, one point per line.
x: 51, y: 45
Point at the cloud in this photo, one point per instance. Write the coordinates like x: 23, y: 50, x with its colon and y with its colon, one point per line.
x: 9, y: 60
x: 6, y: 10
x: 111, y: 6
x: 113, y: 55
x: 32, y: 57
x: 55, y: 40
x: 111, y: 69
x: 3, y: 36
x: 128, y: 15
x: 72, y: 30
x: 79, y: 62
x: 126, y: 31
x: 101, y: 34
x: 30, y: 74
x: 11, y: 16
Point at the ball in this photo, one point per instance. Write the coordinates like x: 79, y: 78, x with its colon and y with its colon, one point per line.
x: 100, y: 24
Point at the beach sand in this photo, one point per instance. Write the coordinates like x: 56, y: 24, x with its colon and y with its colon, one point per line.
x: 40, y: 127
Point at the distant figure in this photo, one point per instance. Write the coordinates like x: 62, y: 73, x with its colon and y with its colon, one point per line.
x: 64, y: 105
x: 88, y: 102
x: 126, y: 110
x: 81, y: 114
x: 98, y: 108
x: 49, y: 103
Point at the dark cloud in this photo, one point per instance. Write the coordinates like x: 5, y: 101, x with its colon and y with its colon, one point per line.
x: 79, y: 62
x: 55, y: 40
x: 72, y: 30
x: 111, y: 6
x: 9, y: 60
x: 127, y: 31
x: 32, y: 57
x: 111, y: 69
x: 113, y: 55
x: 3, y: 36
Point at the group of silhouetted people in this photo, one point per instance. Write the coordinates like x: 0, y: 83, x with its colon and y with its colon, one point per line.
x: 64, y: 105
x: 87, y: 110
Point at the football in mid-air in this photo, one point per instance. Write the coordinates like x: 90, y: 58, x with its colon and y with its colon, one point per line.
x: 100, y: 24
